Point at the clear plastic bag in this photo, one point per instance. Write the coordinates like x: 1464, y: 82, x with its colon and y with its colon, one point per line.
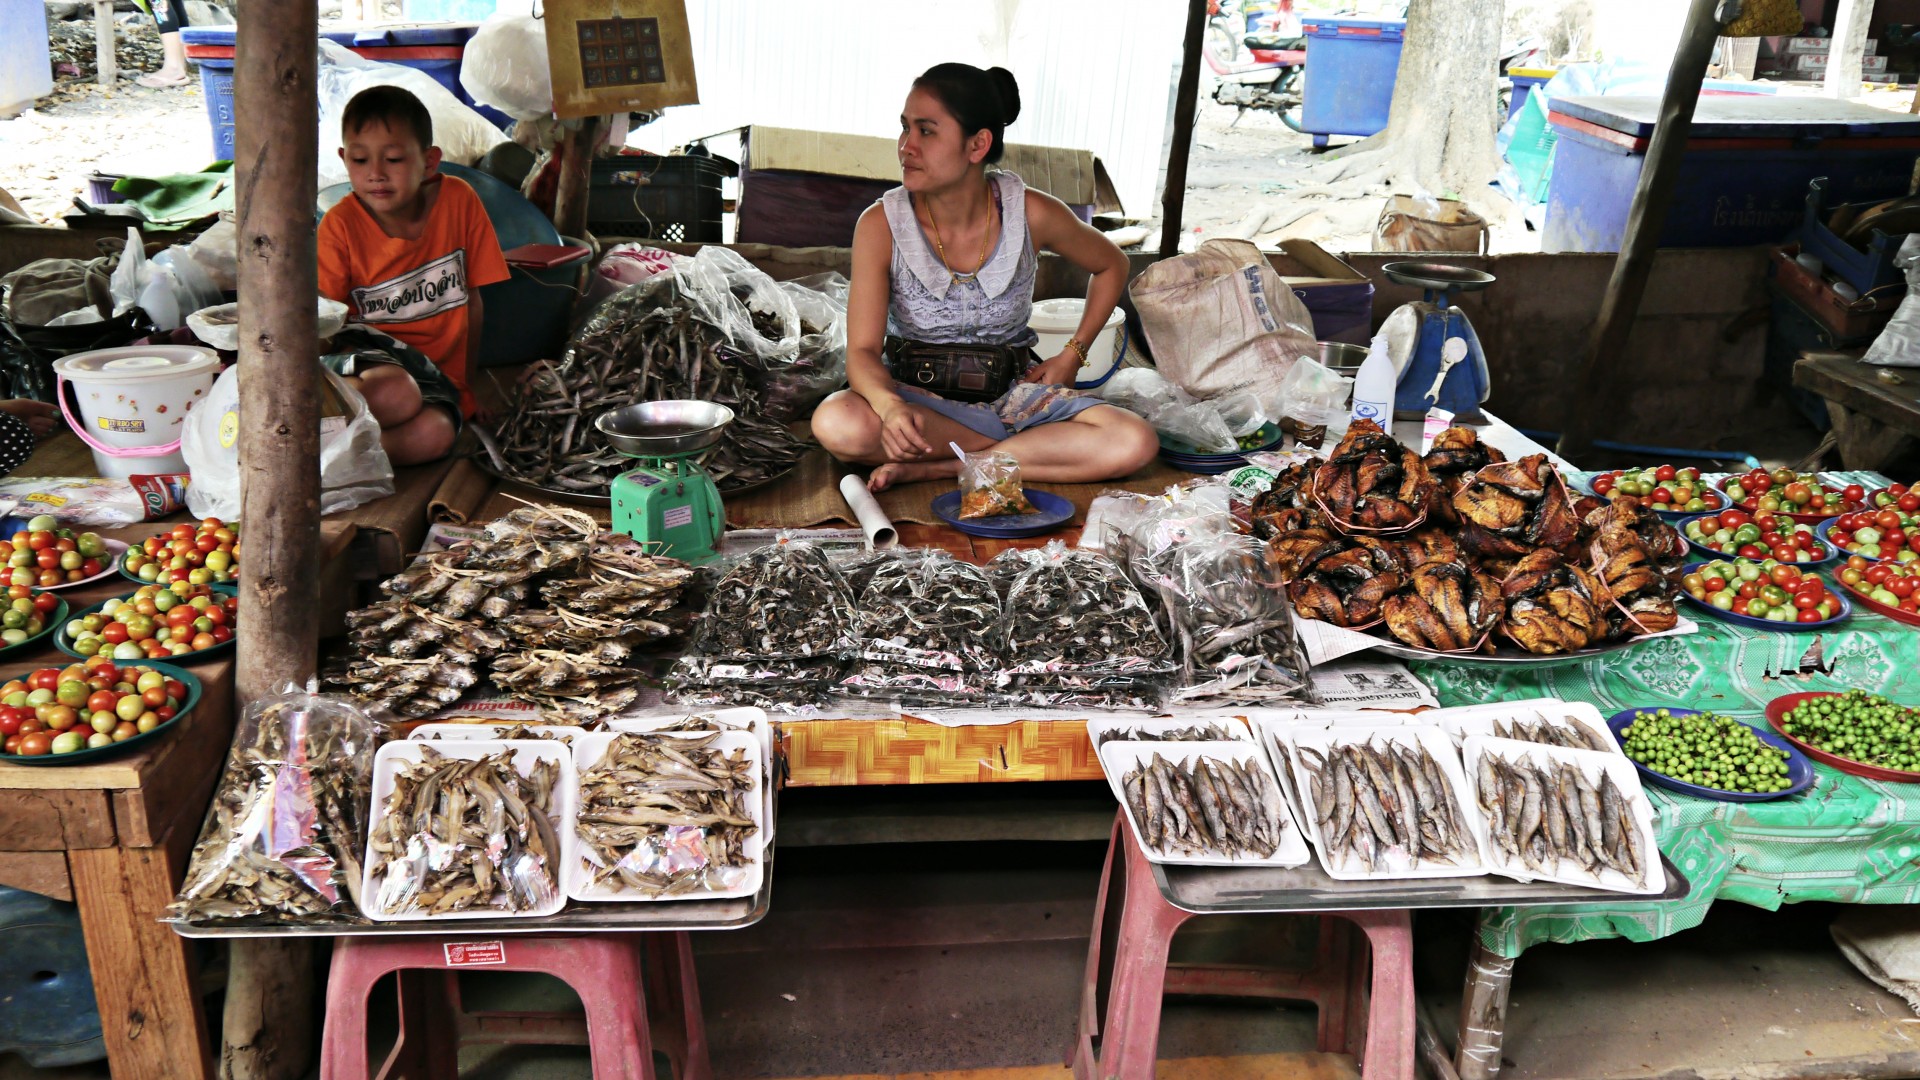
x: 505, y: 66
x: 1899, y: 342
x: 740, y: 300
x: 354, y: 468
x: 789, y: 686
x: 463, y: 136
x: 790, y: 391
x: 783, y: 601
x: 1313, y: 398
x: 1231, y: 623
x: 924, y: 609
x: 990, y: 486
x: 281, y: 842
x: 1171, y: 410
x: 217, y: 251
x: 1074, y: 611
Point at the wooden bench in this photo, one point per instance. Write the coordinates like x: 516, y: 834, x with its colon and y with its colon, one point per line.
x: 1875, y: 410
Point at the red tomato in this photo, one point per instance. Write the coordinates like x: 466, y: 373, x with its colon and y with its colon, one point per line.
x: 1783, y: 575
x: 217, y: 614
x: 1901, y: 587
x: 1784, y: 552
x: 1807, y: 615
x: 1879, y: 573
x: 40, y: 541
x: 1748, y: 590
x: 1740, y: 605
x: 1602, y: 484
x: 114, y: 633
x: 36, y: 744
x: 1665, y: 473
x: 222, y: 634
x: 1733, y: 519
x: 1854, y: 493
x: 10, y: 724
x: 182, y: 531
x: 100, y: 701
x: 45, y: 602
x: 1751, y: 551
x: 205, y: 543
x: 1908, y: 503
x: 90, y: 568
x: 176, y: 690
x: 1715, y: 584
x: 1662, y: 495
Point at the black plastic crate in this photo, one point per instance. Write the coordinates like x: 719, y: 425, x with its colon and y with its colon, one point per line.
x: 671, y: 199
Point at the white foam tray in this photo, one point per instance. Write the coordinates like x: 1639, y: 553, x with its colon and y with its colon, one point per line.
x: 1590, y: 763
x: 1425, y: 736
x: 1470, y: 720
x: 1150, y: 729
x: 526, y: 752
x: 1119, y: 757
x: 562, y: 733
x: 591, y: 747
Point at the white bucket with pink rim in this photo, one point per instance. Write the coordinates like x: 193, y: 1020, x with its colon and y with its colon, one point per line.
x: 133, y: 403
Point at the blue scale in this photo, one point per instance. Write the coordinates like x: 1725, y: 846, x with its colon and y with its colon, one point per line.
x: 1433, y: 346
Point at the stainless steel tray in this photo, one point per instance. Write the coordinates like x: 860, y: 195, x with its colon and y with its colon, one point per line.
x: 1505, y: 655
x: 1214, y: 890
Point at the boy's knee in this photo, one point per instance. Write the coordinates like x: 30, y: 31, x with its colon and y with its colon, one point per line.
x: 392, y: 396
x: 429, y: 436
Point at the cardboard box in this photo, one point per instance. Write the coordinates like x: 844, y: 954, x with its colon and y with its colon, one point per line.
x: 1820, y: 45
x: 615, y: 56
x: 1818, y: 62
x: 808, y: 188
x: 1339, y: 297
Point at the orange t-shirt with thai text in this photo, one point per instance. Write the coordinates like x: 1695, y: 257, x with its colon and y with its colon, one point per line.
x: 415, y: 290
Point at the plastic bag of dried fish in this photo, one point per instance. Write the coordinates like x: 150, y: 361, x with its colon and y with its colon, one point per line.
x: 790, y: 391
x: 1091, y: 691
x: 990, y: 486
x: 785, y: 600
x: 468, y: 829
x: 908, y: 685
x: 1232, y: 624
x: 281, y: 842
x: 1075, y: 611
x: 703, y: 682
x: 664, y: 815
x: 924, y: 608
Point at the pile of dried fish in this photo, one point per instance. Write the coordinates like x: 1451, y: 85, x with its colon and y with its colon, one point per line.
x: 1642, y: 591
x: 1092, y: 691
x: 786, y: 685
x: 1447, y: 608
x: 1231, y: 623
x: 1074, y: 610
x: 1510, y: 509
x: 584, y: 687
x: 1339, y: 580
x: 1200, y: 732
x: 1573, y: 735
x: 1371, y: 483
x: 645, y: 344
x: 1553, y: 817
x: 1381, y: 803
x: 457, y: 833
x: 1457, y: 453
x: 1204, y: 806
x: 281, y: 841
x: 783, y: 600
x: 1287, y: 505
x: 541, y: 580
x: 1554, y: 606
x: 667, y: 814
x: 928, y: 609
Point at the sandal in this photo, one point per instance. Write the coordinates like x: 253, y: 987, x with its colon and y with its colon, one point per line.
x: 156, y: 81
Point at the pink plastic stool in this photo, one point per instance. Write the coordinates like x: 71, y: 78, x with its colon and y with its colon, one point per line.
x: 1377, y: 1028
x: 622, y: 980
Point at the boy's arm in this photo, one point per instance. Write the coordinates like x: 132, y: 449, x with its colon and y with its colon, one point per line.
x: 476, y: 320
x: 330, y: 250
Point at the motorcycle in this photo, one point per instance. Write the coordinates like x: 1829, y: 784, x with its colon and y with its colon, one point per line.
x: 1258, y: 52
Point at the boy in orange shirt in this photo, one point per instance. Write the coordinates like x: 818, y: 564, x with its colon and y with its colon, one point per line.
x: 408, y: 252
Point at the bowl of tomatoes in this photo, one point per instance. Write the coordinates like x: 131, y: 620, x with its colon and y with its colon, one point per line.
x: 84, y: 711
x: 1884, y: 588
x: 1669, y: 491
x: 27, y: 616
x: 1801, y: 496
x: 1763, y: 594
x: 47, y: 556
x: 1888, y: 533
x: 1738, y: 534
x: 182, y: 622
x: 200, y: 553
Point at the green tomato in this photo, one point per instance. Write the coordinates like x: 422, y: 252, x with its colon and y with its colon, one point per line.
x: 1722, y: 600
x: 68, y: 741
x: 71, y: 560
x: 165, y: 599
x: 148, y: 680
x: 129, y: 707
x: 90, y: 545
x: 43, y: 523
x: 127, y: 650
x: 72, y: 693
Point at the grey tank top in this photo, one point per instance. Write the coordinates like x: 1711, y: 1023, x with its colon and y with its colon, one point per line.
x: 992, y: 309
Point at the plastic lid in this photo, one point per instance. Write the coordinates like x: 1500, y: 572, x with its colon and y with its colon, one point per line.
x: 137, y: 362
x: 1063, y: 316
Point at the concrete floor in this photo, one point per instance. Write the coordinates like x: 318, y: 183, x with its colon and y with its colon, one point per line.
x: 894, y: 959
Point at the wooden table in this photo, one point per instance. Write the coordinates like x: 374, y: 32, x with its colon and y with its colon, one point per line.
x: 1874, y: 419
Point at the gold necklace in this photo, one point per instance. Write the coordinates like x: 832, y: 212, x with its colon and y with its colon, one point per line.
x: 940, y: 245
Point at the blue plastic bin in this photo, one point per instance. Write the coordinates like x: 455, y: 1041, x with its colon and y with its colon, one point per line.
x: 26, y: 68
x: 1351, y: 67
x: 437, y: 50
x: 1743, y: 179
x: 211, y: 47
x: 1523, y: 81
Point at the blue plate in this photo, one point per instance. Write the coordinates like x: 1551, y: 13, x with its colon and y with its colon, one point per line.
x: 1820, y: 534
x: 1584, y: 485
x: 1846, y: 608
x: 1799, y: 769
x: 1271, y: 438
x: 1052, y: 512
x: 1824, y: 528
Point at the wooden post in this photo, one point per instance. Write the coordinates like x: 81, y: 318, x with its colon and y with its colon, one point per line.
x: 1173, y: 202
x: 268, y: 1024
x: 576, y: 174
x: 1593, y: 394
x: 1849, y: 45
x: 106, y: 66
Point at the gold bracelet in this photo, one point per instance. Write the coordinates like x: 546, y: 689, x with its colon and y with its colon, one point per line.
x: 1074, y: 344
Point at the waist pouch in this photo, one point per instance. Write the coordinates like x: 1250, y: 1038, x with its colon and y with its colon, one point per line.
x: 975, y: 373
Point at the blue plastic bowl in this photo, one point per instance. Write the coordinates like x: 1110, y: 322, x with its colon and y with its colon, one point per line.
x: 1839, y: 594
x: 1799, y: 769
x: 1820, y: 534
x: 1585, y: 487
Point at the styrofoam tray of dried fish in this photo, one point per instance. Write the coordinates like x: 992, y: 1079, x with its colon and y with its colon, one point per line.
x: 751, y: 720
x: 1330, y: 718
x: 547, y: 875
x: 1574, y: 725
x: 1119, y: 759
x: 440, y: 732
x: 1589, y: 866
x: 1463, y: 835
x: 680, y: 847
x: 1196, y: 727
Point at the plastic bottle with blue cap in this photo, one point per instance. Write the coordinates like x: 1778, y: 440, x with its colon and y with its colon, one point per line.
x: 1373, y: 386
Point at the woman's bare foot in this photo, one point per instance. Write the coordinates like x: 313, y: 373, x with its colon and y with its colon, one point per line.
x: 906, y: 472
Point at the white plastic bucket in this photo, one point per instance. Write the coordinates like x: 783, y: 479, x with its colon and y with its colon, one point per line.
x: 1056, y: 320
x: 132, y: 403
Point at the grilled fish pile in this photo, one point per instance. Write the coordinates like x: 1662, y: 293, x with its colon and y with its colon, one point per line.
x: 542, y: 579
x: 1555, y: 606
x: 645, y: 344
x: 1204, y: 807
x: 666, y: 814
x: 300, y: 763
x: 1555, y: 818
x: 1385, y: 807
x: 1341, y: 580
x: 461, y: 833
x: 1446, y: 607
x: 1371, y: 483
x: 1457, y: 454
x: 1511, y: 508
x: 1641, y: 591
x: 1287, y: 505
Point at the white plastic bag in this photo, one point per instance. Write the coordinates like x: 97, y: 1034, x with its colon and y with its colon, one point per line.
x: 505, y: 66
x: 1173, y: 411
x: 463, y: 136
x: 217, y: 251
x: 1899, y: 342
x: 353, y: 466
x: 219, y: 327
x: 131, y: 275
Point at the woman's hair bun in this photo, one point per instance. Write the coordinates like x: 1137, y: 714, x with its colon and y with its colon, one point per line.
x: 1009, y: 90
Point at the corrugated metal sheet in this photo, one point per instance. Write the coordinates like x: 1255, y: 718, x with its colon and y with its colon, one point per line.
x: 1094, y: 74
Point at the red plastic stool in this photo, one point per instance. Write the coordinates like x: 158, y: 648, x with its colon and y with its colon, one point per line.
x: 622, y: 980
x: 1377, y: 1028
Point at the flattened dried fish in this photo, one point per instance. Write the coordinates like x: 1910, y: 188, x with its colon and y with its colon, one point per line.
x: 457, y: 833
x: 666, y: 815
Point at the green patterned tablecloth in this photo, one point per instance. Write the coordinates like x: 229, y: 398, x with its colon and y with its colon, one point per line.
x: 1846, y: 839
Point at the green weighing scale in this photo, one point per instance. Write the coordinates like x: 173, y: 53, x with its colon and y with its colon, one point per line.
x: 668, y: 500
